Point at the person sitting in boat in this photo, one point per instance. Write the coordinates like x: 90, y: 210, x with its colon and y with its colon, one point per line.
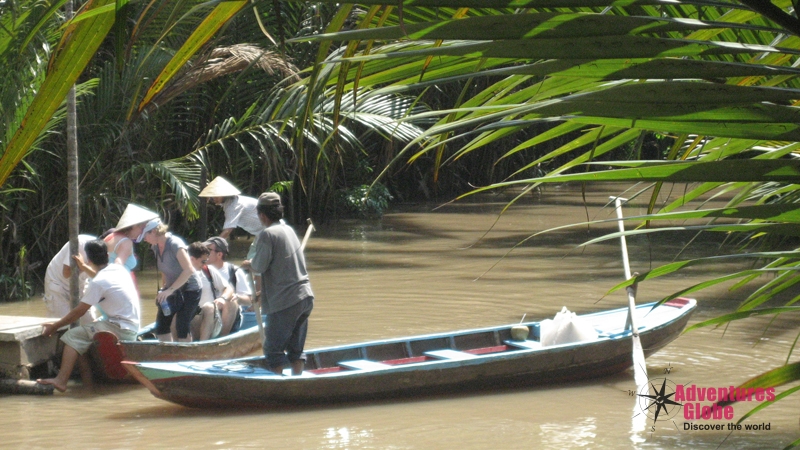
x: 216, y: 290
x: 237, y: 278
x: 113, y: 291
x: 240, y: 210
x: 56, y: 282
x: 180, y: 296
x: 282, y: 287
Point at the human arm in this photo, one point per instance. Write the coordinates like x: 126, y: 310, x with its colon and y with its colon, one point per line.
x: 244, y: 293
x: 124, y: 250
x: 83, y: 266
x: 75, y: 313
x: 225, y: 233
x: 188, y: 270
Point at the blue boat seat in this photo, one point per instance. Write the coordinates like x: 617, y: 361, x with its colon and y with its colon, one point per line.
x: 363, y: 364
x: 527, y: 344
x: 450, y: 354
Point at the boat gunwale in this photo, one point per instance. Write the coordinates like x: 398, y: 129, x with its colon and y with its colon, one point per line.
x: 182, y: 369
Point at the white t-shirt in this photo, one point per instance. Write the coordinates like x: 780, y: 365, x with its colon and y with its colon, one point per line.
x: 242, y: 283
x: 55, y: 275
x: 220, y: 283
x: 240, y: 211
x: 112, y: 291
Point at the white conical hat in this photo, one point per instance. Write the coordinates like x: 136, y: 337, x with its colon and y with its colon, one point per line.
x: 219, y: 187
x: 135, y: 214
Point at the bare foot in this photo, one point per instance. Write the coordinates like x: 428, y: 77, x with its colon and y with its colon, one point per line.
x: 52, y: 382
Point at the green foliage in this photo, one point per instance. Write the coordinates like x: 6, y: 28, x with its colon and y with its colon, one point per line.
x: 363, y: 201
x: 703, y: 97
x: 14, y: 280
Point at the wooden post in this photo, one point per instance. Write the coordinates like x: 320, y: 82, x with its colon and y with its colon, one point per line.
x: 27, y: 387
x: 72, y: 185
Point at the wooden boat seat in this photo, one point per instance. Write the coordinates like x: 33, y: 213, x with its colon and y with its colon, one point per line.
x: 450, y: 354
x: 527, y: 344
x: 363, y: 364
x: 306, y: 373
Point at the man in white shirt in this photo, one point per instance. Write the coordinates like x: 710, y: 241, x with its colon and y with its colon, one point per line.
x: 113, y: 292
x: 207, y: 324
x: 240, y: 211
x: 56, y: 282
x: 237, y: 278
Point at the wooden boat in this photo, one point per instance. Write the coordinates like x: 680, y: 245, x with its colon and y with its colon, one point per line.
x: 107, y: 352
x: 435, y: 363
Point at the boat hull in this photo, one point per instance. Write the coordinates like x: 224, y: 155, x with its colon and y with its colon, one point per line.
x: 107, y: 352
x: 241, y: 383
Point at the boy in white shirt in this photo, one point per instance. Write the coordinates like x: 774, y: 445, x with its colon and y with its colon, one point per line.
x: 207, y: 324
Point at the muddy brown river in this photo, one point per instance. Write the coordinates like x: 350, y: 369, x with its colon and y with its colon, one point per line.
x: 424, y: 270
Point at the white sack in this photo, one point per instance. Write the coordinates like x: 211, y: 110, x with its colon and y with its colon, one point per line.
x: 566, y: 327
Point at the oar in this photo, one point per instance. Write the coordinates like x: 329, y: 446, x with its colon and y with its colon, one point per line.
x: 639, y: 364
x: 308, y: 235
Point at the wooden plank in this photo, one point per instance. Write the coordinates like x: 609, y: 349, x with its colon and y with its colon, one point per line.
x: 363, y: 364
x: 450, y: 354
x: 18, y: 328
x: 22, y: 345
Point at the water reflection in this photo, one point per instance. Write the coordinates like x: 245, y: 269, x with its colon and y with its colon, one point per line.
x: 346, y: 437
x: 574, y: 434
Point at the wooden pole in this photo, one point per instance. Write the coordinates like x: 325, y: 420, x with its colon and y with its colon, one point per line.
x: 639, y: 364
x: 203, y: 207
x: 72, y: 185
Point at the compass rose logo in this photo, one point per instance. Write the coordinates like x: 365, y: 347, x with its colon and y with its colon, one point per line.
x: 655, y: 399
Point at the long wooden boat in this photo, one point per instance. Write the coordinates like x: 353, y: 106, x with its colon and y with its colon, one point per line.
x: 435, y: 363
x: 107, y: 352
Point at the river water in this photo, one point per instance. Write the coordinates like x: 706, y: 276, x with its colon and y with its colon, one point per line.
x: 423, y: 270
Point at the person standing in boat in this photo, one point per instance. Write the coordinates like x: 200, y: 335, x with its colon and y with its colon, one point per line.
x: 282, y: 287
x: 237, y: 278
x: 181, y: 284
x: 112, y: 288
x: 240, y: 210
x: 216, y: 291
x: 56, y: 281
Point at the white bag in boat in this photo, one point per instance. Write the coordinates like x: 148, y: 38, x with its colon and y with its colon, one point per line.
x: 566, y: 327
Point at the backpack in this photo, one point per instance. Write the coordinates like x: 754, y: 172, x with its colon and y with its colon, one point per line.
x: 232, y: 268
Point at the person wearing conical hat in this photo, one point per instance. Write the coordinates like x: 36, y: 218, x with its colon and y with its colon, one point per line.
x: 240, y: 210
x: 120, y: 239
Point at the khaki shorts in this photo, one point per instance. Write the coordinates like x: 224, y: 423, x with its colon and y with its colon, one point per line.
x: 80, y: 338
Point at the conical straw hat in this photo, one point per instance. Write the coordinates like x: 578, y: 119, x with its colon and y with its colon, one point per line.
x: 135, y: 214
x: 219, y: 187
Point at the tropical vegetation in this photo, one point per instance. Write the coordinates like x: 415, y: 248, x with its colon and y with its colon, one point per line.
x: 698, y: 93
x: 653, y: 92
x: 166, y: 93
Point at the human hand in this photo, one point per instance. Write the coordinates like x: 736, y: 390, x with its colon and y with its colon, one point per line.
x: 246, y: 265
x: 48, y: 329
x: 162, y: 295
x: 80, y: 262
